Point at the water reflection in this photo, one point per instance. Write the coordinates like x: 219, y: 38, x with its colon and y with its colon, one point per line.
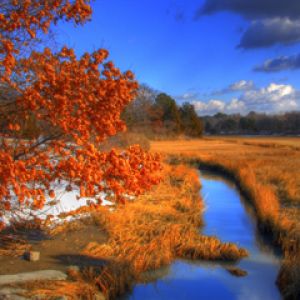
x: 230, y: 218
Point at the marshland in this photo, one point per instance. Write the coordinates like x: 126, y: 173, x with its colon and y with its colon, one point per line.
x: 149, y: 149
x: 214, y: 213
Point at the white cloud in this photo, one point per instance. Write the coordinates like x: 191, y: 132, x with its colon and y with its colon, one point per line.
x: 188, y: 96
x: 272, y: 94
x: 235, y: 106
x: 211, y: 107
x: 241, y: 85
x: 214, y: 106
x: 273, y: 98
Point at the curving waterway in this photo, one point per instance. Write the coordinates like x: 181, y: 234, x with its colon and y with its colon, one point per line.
x: 229, y: 217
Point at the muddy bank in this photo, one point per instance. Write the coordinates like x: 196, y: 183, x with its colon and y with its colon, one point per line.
x: 56, y: 252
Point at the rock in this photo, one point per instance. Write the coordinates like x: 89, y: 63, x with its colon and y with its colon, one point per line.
x: 32, y: 255
x: 73, y: 272
x: 237, y: 271
x: 30, y: 276
x: 11, y: 294
x: 73, y: 269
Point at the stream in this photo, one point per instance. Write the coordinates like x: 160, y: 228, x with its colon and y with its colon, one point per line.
x: 229, y: 217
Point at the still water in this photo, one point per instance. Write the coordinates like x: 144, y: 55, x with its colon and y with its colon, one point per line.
x: 230, y: 218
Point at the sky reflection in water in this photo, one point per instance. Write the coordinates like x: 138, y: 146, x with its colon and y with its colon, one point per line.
x: 231, y: 219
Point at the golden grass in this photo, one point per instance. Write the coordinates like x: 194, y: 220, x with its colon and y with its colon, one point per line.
x: 71, y: 290
x: 289, y: 278
x: 267, y: 172
x: 157, y: 228
x: 277, y: 142
x: 143, y: 235
x: 11, y: 245
x: 165, y: 223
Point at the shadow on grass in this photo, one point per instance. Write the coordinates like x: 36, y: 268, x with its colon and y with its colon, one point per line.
x: 14, y: 238
x: 79, y: 260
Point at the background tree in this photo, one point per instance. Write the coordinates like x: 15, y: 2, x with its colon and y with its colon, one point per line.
x: 141, y: 115
x: 170, y: 113
x: 192, y: 124
x: 157, y: 115
x: 253, y: 123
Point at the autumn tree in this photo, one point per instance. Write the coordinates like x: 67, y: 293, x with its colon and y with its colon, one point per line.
x: 137, y: 112
x: 191, y: 122
x: 157, y: 114
x: 171, y: 114
x: 72, y: 103
x: 143, y: 115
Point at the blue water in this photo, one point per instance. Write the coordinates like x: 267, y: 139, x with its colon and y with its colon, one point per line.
x: 228, y: 217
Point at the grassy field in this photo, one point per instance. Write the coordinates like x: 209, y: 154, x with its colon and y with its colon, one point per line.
x: 163, y: 224
x: 267, y: 172
x: 143, y: 235
x: 157, y: 228
x: 275, y: 162
x: 293, y: 142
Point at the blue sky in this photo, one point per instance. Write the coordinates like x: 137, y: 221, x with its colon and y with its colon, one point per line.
x: 188, y: 49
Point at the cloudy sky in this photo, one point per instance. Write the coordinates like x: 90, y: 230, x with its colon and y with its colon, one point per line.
x: 221, y: 55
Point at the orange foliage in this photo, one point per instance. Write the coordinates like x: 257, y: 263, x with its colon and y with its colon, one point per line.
x: 76, y: 103
x: 26, y: 17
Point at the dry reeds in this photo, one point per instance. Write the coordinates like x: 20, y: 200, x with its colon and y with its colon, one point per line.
x: 11, y: 245
x: 161, y: 226
x: 268, y: 175
x: 71, y: 290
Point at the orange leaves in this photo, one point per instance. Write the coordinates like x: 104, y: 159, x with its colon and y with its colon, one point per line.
x: 72, y: 174
x: 51, y: 194
x: 7, y: 45
x: 82, y: 191
x: 74, y: 104
x: 17, y: 189
x: 71, y: 93
x: 129, y: 75
x: 14, y: 127
x: 20, y: 17
x: 7, y: 205
x: 123, y: 173
x: 26, y: 180
x: 31, y: 32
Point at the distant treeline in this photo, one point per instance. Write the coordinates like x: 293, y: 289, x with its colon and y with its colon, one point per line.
x: 253, y: 123
x: 157, y: 115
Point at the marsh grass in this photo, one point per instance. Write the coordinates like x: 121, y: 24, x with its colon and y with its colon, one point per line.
x: 289, y: 277
x: 50, y: 290
x: 267, y: 173
x: 143, y: 235
x: 157, y: 228
x: 11, y: 245
x: 113, y: 279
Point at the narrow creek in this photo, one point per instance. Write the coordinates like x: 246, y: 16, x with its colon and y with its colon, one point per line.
x: 229, y: 217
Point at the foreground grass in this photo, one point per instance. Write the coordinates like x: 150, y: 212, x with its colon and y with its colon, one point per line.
x: 143, y: 235
x: 267, y: 171
x: 159, y: 227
